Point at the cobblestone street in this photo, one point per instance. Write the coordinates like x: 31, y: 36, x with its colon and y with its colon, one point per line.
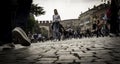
x: 103, y: 50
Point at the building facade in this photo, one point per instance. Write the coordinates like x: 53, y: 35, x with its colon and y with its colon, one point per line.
x: 89, y: 17
x: 73, y: 23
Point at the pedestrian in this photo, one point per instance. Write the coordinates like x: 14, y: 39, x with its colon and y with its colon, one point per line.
x: 94, y: 28
x: 99, y: 27
x: 35, y: 35
x: 105, y: 28
x: 56, y: 25
x: 14, y: 14
x: 114, y: 8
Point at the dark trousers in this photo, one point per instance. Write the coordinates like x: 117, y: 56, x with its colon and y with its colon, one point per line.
x: 99, y: 33
x: 114, y: 25
x: 56, y: 30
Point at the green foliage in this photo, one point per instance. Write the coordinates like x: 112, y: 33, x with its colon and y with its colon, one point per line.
x: 37, y: 28
x: 37, y: 10
x: 32, y: 24
x: 44, y: 32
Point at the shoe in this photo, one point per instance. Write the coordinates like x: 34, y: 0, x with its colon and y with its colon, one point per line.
x: 21, y: 37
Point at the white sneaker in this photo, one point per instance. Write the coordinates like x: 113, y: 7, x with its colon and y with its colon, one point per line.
x: 19, y: 34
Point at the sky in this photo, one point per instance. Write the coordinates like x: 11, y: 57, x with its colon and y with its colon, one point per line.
x: 67, y: 9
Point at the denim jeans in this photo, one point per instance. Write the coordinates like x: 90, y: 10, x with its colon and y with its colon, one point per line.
x: 56, y: 27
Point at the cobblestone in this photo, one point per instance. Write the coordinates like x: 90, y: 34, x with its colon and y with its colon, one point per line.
x: 103, y: 50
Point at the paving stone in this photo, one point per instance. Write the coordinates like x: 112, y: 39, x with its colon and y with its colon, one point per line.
x: 114, y: 62
x: 117, y: 55
x: 84, y: 49
x: 44, y: 62
x: 85, y: 54
x: 6, y: 63
x: 106, y: 56
x: 93, y: 52
x: 93, y: 63
x: 47, y: 59
x: 76, y: 49
x: 33, y: 57
x: 86, y: 59
x: 104, y: 60
x: 99, y: 45
x: 116, y: 59
x: 116, y: 50
x: 103, y: 50
x: 67, y: 57
x: 77, y: 52
x: 96, y: 48
x: 52, y: 51
x: 69, y: 49
x: 63, y: 53
x: 64, y: 61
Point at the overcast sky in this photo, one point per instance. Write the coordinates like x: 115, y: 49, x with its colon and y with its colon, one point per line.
x: 67, y: 9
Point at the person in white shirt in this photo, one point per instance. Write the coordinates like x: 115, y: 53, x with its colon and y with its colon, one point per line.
x: 56, y: 25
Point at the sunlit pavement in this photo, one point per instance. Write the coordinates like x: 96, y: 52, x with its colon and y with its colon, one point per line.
x: 103, y: 50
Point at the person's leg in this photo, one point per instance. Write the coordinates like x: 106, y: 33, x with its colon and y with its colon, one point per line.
x: 114, y: 16
x: 58, y: 35
x: 22, y: 13
x: 54, y: 31
x: 102, y: 31
x: 20, y: 21
x: 97, y: 33
x: 113, y: 25
x: 7, y: 18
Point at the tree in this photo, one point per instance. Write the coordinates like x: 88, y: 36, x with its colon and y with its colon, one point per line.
x: 37, y: 10
x: 32, y: 24
x: 44, y: 32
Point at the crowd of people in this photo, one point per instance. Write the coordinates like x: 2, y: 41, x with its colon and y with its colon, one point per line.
x: 36, y: 37
x: 109, y: 25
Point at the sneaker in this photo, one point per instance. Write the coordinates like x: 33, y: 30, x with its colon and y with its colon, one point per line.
x: 19, y: 34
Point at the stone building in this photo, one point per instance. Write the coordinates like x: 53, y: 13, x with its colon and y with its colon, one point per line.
x: 96, y: 13
x: 73, y: 23
x: 47, y: 26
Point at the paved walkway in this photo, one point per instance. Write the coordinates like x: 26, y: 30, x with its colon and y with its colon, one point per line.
x: 104, y: 50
